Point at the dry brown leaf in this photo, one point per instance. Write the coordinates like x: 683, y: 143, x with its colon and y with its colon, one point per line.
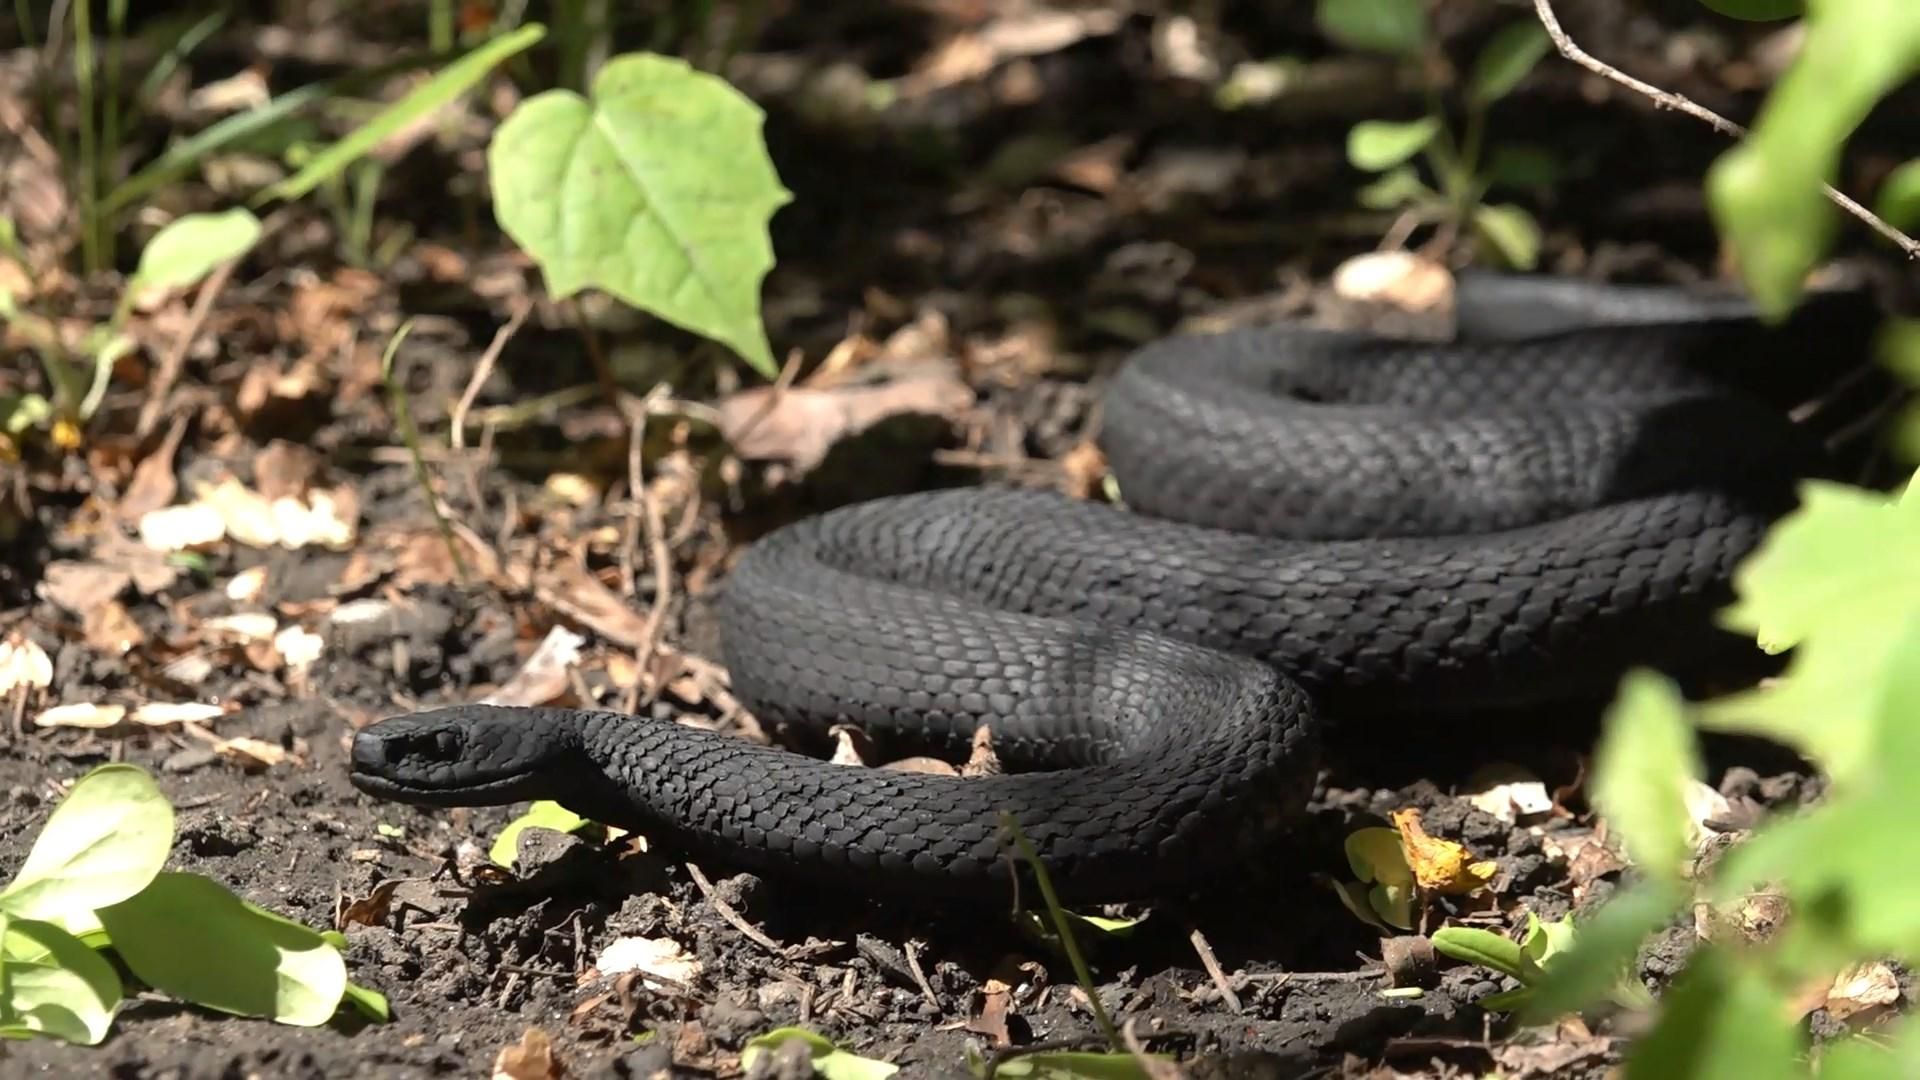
x: 152, y: 571
x: 1085, y: 468
x: 24, y: 664
x: 247, y: 585
x: 971, y: 55
x: 799, y: 425
x: 569, y: 588
x: 996, y: 1005
x: 257, y: 750
x: 982, y: 760
x: 109, y: 629
x: 529, y: 1059
x: 298, y: 647
x: 284, y: 470
x: 573, y: 489
x: 441, y: 263
x: 1555, y: 1054
x: 263, y: 387
x: 1509, y: 793
x: 245, y: 89
x: 182, y: 528
x: 1863, y: 991
x: 850, y: 746
x: 84, y: 714
x: 1400, y: 278
x: 1440, y: 866
x: 153, y: 485
x: 167, y: 714
x: 81, y: 587
x: 242, y: 626
x: 371, y: 909
x: 543, y: 677
x: 662, y: 959
x: 1098, y: 167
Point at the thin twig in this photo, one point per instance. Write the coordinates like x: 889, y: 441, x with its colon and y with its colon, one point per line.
x: 733, y: 918
x: 457, y: 432
x: 482, y: 370
x: 176, y: 359
x: 1214, y: 971
x: 1668, y: 99
x: 647, y: 512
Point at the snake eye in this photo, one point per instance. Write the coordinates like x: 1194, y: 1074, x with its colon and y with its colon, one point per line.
x: 446, y: 745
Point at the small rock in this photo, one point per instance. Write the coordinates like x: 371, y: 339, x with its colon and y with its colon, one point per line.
x: 537, y: 849
x: 651, y: 1062
x: 186, y: 761
x: 731, y: 1024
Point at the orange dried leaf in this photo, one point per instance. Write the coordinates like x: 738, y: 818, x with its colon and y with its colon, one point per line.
x: 1440, y: 866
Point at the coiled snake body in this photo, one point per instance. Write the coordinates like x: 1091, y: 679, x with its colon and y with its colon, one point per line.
x: 1321, y: 527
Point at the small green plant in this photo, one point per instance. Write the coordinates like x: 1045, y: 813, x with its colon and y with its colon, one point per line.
x: 179, y: 255
x: 828, y: 1060
x: 1527, y: 960
x: 1460, y: 168
x: 1834, y: 583
x: 1769, y: 194
x: 543, y: 814
x: 94, y: 881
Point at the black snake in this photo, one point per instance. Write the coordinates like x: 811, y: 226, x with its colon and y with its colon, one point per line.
x: 1321, y: 527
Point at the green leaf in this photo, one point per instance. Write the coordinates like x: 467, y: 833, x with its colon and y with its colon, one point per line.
x: 658, y: 190
x: 1375, y: 854
x: 55, y: 985
x: 1545, y: 943
x: 1512, y: 52
x: 1484, y: 947
x: 103, y: 843
x: 190, y: 937
x: 1353, y: 896
x: 1765, y: 194
x: 1899, y: 198
x: 545, y: 814
x: 1390, y: 26
x: 1395, y: 189
x: 22, y: 411
x: 1392, y: 903
x: 369, y: 1002
x: 828, y: 1060
x: 1833, y: 581
x: 1381, y: 144
x: 1605, y: 945
x: 190, y: 246
x: 1646, y: 758
x: 1719, y: 1021
x: 455, y: 79
x: 1510, y: 231
x: 1758, y: 10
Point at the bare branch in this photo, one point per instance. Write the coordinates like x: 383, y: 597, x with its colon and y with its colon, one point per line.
x: 1668, y: 100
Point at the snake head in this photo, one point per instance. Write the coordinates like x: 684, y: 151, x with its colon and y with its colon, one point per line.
x: 465, y: 755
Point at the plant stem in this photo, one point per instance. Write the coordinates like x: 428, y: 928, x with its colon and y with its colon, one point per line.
x: 1081, y: 973
x: 440, y: 26
x: 403, y: 418
x: 110, y: 138
x: 87, y: 182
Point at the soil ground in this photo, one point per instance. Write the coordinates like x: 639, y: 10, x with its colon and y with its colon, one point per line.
x: 1015, y: 231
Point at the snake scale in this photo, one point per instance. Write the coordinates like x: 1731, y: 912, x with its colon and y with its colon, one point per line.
x: 1321, y: 527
